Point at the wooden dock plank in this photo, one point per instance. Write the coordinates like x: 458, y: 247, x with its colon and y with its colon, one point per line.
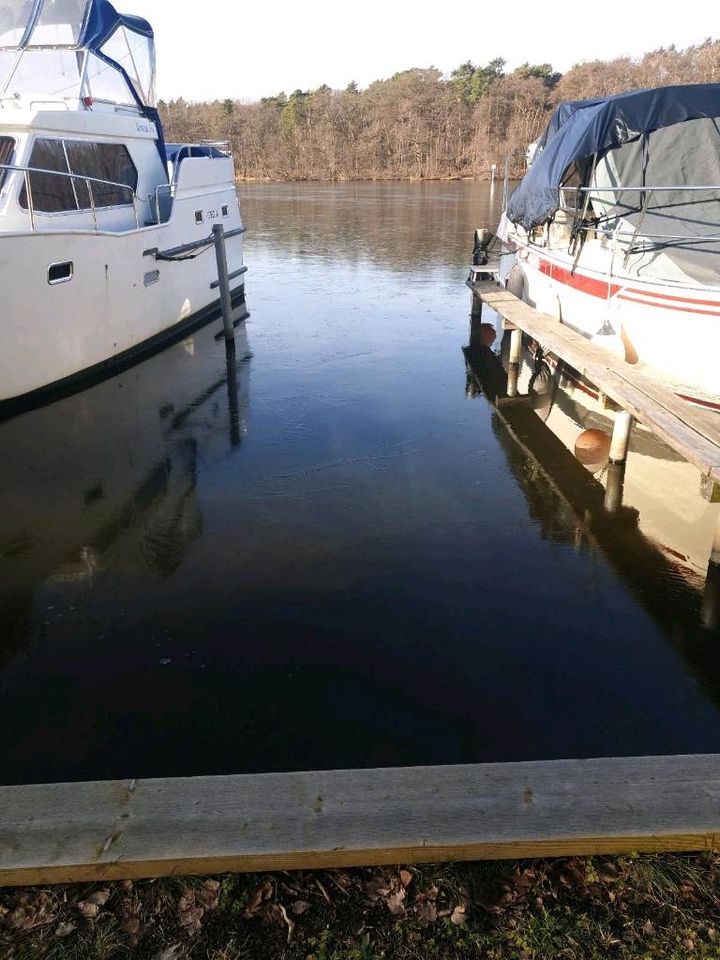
x: 692, y: 432
x: 127, y: 829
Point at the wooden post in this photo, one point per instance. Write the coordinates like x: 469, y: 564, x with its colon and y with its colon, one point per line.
x: 614, y: 487
x: 620, y: 437
x: 516, y: 346
x: 476, y: 308
x: 223, y: 280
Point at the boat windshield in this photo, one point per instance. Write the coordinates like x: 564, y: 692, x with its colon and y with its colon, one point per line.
x: 73, y: 49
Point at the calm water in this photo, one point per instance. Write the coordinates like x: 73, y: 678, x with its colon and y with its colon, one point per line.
x: 329, y: 552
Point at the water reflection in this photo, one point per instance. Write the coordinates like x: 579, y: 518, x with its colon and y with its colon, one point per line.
x: 112, y: 472
x: 556, y: 438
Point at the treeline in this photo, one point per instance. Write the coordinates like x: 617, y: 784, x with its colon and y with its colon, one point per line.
x: 418, y: 124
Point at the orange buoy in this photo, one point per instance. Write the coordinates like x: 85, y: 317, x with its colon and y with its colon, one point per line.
x: 592, y: 449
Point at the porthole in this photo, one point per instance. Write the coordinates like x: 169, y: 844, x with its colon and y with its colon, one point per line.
x: 60, y: 272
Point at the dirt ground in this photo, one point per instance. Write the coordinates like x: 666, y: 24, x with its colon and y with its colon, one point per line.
x: 602, y: 907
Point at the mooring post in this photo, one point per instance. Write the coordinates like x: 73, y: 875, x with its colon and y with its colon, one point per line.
x: 614, y: 487
x: 512, y: 379
x: 223, y: 280
x: 476, y: 308
x: 516, y: 345
x: 620, y: 437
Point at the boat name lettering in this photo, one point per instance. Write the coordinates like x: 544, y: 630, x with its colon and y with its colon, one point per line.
x: 143, y: 127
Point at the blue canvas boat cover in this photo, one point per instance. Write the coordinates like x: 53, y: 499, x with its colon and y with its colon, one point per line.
x: 582, y: 128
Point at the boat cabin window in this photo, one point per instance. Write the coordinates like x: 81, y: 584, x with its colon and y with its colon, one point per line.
x: 7, y: 145
x: 102, y: 161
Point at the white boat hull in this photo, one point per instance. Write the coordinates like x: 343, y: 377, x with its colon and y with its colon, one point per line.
x: 671, y: 327
x: 117, y: 301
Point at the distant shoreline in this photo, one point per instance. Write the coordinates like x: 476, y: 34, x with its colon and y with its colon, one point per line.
x: 387, y: 179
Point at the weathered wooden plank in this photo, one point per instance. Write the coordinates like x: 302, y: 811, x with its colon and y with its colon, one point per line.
x: 125, y: 829
x: 691, y: 431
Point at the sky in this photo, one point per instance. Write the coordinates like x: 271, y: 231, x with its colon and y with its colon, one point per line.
x: 244, y: 51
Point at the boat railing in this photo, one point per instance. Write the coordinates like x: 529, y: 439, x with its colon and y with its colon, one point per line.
x: 135, y: 200
x: 645, y: 195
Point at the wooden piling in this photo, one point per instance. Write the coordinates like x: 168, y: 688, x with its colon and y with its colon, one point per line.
x: 516, y: 346
x: 620, y: 437
x: 218, y: 232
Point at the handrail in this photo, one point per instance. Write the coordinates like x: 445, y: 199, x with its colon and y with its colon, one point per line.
x: 620, y: 189
x: 26, y: 171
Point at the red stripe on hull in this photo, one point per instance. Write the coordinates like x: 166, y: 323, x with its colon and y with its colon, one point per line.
x: 596, y: 288
x: 671, y: 306
x: 605, y: 290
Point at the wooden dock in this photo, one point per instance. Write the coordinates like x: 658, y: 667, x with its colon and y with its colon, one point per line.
x: 690, y: 431
x: 148, y: 828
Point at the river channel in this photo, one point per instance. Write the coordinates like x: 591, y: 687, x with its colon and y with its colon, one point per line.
x: 331, y: 551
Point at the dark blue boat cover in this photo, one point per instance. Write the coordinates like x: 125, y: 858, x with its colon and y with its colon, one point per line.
x: 581, y: 128
x: 101, y: 19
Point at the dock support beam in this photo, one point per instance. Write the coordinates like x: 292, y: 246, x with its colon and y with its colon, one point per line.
x: 223, y: 280
x: 620, y: 437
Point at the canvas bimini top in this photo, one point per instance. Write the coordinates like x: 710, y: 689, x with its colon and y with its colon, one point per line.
x: 584, y: 129
x: 74, y: 50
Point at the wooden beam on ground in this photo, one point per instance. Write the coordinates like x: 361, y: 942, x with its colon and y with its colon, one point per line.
x: 148, y: 828
x: 692, y: 432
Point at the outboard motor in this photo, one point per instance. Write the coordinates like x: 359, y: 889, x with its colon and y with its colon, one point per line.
x: 481, y: 249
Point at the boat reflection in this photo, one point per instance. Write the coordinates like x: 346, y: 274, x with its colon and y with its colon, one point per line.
x: 647, y: 517
x: 109, y: 475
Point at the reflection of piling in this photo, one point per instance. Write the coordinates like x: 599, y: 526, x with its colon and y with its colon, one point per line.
x: 232, y: 388
x: 223, y: 280
x: 710, y: 612
x: 620, y: 437
x: 614, y: 487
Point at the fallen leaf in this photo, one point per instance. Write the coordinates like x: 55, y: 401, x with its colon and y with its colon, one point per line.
x: 300, y: 906
x: 100, y: 897
x: 405, y: 878
x: 262, y: 893
x: 395, y: 902
x: 648, y: 928
x: 190, y: 920
x: 169, y: 953
x: 64, y: 929
x: 458, y: 915
x: 427, y: 910
x: 87, y: 909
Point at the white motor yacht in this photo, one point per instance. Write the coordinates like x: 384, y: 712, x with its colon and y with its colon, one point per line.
x: 615, y: 230
x: 106, y: 243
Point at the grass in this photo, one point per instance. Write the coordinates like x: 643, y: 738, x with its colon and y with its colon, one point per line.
x: 663, y: 906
